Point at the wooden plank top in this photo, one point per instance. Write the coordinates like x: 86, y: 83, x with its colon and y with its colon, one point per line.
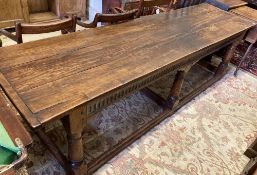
x: 227, y: 4
x: 49, y: 77
x: 247, y: 12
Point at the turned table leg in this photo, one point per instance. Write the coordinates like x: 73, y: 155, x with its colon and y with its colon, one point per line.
x: 228, y: 55
x: 176, y: 88
x: 73, y: 125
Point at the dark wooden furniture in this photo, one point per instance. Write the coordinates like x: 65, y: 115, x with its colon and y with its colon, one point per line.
x: 252, y: 2
x: 74, y: 76
x: 12, y: 11
x: 242, y: 10
x: 128, y: 6
x: 227, y: 4
x: 63, y: 7
x: 34, y: 11
x: 109, y: 19
x: 251, y: 167
x: 66, y: 25
x: 154, y: 5
x: 131, y: 5
x: 251, y: 36
x: 15, y: 129
x: 148, y: 7
x: 108, y: 4
x: 251, y: 153
x: 186, y: 3
x: 52, y: 10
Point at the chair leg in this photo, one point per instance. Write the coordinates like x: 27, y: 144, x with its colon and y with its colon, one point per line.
x: 1, y: 44
x: 243, y: 59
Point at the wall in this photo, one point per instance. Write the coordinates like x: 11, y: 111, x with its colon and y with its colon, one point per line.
x: 94, y: 6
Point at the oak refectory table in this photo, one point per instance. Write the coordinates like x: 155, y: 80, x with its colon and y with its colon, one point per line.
x: 74, y: 76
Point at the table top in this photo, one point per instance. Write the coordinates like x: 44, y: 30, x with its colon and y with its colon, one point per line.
x: 227, y: 4
x: 49, y: 77
x: 247, y: 12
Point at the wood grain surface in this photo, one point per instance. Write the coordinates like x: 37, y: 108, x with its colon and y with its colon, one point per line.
x: 36, y: 6
x: 12, y: 11
x: 247, y: 12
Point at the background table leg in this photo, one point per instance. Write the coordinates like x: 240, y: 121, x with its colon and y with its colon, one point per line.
x: 228, y: 55
x: 73, y: 125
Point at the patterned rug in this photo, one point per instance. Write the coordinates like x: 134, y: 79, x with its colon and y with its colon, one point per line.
x: 250, y: 63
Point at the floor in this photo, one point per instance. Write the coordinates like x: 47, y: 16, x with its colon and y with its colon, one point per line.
x: 206, y: 136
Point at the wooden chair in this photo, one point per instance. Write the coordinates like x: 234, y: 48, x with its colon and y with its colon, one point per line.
x: 109, y: 18
x: 131, y: 5
x: 149, y: 7
x: 173, y: 4
x: 66, y: 25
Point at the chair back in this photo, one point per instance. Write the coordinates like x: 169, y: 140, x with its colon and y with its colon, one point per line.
x: 116, y: 18
x: 65, y: 25
x: 131, y: 5
x: 147, y: 7
x: 109, y: 18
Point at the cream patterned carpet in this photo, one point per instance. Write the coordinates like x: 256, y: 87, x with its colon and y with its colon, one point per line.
x: 206, y: 136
